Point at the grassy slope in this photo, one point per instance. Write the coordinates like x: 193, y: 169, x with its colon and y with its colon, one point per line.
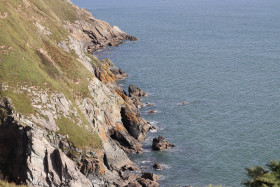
x: 6, y: 184
x: 23, y: 63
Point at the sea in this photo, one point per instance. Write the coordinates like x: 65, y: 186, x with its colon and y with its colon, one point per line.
x: 222, y: 57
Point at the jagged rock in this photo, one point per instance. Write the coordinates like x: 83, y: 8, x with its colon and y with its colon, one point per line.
x: 128, y: 143
x: 133, y: 184
x: 136, y: 101
x: 119, y: 73
x: 29, y: 158
x: 131, y: 38
x: 132, y: 180
x: 161, y: 143
x: 95, y: 33
x: 136, y: 126
x: 148, y: 183
x: 104, y: 74
x: 151, y: 176
x: 157, y: 166
x: 135, y: 91
x: 129, y: 168
x: 152, y: 128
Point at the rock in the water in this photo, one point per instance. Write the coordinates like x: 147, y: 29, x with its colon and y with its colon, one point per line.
x: 148, y: 180
x: 183, y: 103
x: 161, y: 143
x: 135, y: 91
x: 152, y: 128
x: 119, y: 73
x: 152, y: 112
x: 149, y: 104
x: 150, y: 176
x: 157, y: 166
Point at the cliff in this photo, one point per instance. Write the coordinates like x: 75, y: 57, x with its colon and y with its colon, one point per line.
x: 64, y: 121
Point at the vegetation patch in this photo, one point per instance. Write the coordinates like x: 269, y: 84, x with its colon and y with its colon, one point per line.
x: 264, y: 177
x: 20, y: 101
x: 79, y: 136
x: 7, y: 184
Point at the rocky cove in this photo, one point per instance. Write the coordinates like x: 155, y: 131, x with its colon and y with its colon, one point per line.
x: 72, y: 125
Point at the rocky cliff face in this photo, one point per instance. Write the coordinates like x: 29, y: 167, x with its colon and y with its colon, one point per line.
x: 64, y: 121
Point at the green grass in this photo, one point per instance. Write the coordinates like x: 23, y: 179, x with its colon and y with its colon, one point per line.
x: 24, y: 63
x: 7, y: 184
x: 20, y: 101
x: 79, y: 136
x: 53, y: 69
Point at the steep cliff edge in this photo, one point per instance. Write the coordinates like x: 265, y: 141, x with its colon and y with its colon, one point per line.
x: 63, y: 119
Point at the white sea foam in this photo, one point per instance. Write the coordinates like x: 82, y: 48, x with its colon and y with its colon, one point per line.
x: 145, y: 161
x: 153, y: 123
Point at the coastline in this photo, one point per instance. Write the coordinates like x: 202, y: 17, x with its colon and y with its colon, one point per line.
x: 73, y: 134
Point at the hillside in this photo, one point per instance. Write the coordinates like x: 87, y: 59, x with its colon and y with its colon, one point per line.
x: 64, y: 121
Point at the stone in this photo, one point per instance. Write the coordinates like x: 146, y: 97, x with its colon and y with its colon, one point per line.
x: 129, y: 168
x: 136, y: 101
x: 136, y: 126
x: 152, y: 128
x: 150, y: 176
x: 119, y: 73
x: 135, y: 91
x: 149, y: 104
x: 157, y: 166
x: 147, y: 183
x: 161, y: 143
x: 152, y: 112
x: 183, y: 103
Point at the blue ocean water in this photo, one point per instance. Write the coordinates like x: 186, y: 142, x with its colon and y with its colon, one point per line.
x: 220, y: 56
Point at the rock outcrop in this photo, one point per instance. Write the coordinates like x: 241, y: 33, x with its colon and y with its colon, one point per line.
x: 135, y: 91
x: 161, y: 143
x: 94, y: 33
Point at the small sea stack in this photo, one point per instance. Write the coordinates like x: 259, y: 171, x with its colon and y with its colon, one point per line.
x: 161, y: 143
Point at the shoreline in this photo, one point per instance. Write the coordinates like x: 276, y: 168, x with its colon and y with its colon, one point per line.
x: 72, y: 124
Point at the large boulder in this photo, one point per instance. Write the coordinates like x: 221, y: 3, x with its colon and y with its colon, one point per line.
x: 161, y: 143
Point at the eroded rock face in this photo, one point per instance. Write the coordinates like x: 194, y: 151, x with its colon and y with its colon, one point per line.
x: 13, y: 145
x: 119, y: 73
x: 135, y: 91
x: 161, y: 143
x: 151, y: 176
x: 135, y: 125
x: 26, y: 157
x: 94, y: 33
